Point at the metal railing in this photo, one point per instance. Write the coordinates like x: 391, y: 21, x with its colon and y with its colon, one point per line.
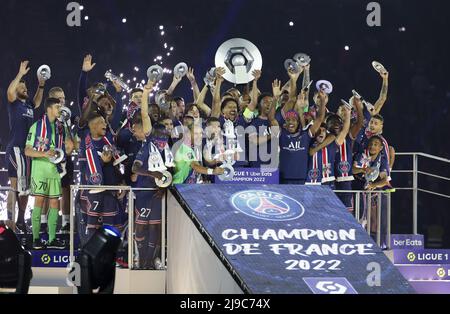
x: 368, y: 195
x: 415, y: 180
x: 415, y: 188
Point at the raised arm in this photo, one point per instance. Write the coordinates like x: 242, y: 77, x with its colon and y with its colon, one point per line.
x: 195, y: 90
x: 383, y: 94
x: 176, y: 80
x: 82, y: 83
x: 306, y: 81
x: 117, y: 113
x: 146, y: 122
x: 358, y: 125
x: 300, y: 106
x: 39, y: 95
x: 323, y: 101
x: 254, y: 96
x: 216, y: 98
x: 293, y: 84
x: 343, y: 134
x: 11, y: 92
x: 201, y: 101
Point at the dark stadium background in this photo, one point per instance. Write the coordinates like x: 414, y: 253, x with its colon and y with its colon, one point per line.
x: 417, y: 111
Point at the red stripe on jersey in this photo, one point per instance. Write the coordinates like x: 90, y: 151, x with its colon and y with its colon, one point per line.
x: 91, y: 163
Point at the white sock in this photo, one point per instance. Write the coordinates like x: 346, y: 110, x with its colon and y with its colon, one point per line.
x: 65, y: 219
x: 44, y: 219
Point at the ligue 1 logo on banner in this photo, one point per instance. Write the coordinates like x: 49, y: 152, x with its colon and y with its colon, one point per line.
x: 267, y: 205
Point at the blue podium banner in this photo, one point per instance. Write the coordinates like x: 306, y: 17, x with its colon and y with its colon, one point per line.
x: 289, y: 239
x: 253, y: 176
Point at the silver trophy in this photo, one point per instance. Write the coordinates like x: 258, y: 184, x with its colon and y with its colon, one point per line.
x: 228, y: 174
x: 302, y: 59
x: 210, y: 77
x: 44, y: 72
x: 180, y: 70
x: 373, y: 175
x: 240, y: 58
x: 114, y: 78
x: 291, y: 65
x: 65, y: 115
x: 165, y: 181
x: 58, y: 158
x: 379, y: 67
x: 155, y: 73
x: 324, y: 86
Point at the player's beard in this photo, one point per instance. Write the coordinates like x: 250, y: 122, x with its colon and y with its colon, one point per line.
x: 22, y: 96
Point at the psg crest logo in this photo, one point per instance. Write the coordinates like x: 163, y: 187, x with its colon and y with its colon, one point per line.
x: 344, y: 166
x: 267, y: 205
x: 314, y: 174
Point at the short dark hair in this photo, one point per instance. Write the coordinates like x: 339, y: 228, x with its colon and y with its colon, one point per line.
x: 379, y: 117
x: 23, y: 81
x: 376, y: 137
x: 176, y: 99
x: 94, y: 115
x: 261, y: 97
x: 211, y: 120
x: 226, y: 100
x: 50, y: 102
x: 154, y: 105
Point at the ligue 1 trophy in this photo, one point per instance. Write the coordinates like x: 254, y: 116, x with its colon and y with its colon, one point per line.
x: 324, y: 86
x: 180, y: 70
x: 240, y: 58
x: 379, y: 67
x: 302, y: 59
x: 44, y: 72
x: 114, y: 78
x: 58, y: 158
x: 108, y: 149
x: 210, y: 77
x: 373, y: 175
x: 155, y: 73
x: 291, y: 65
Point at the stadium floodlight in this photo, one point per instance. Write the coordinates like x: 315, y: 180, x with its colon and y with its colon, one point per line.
x: 97, y: 261
x: 15, y: 263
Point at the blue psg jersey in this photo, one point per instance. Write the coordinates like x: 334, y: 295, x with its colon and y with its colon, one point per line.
x: 321, y: 165
x: 344, y: 161
x: 21, y: 115
x: 294, y: 153
x: 109, y: 173
x: 143, y: 156
x: 363, y: 160
x: 130, y: 146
